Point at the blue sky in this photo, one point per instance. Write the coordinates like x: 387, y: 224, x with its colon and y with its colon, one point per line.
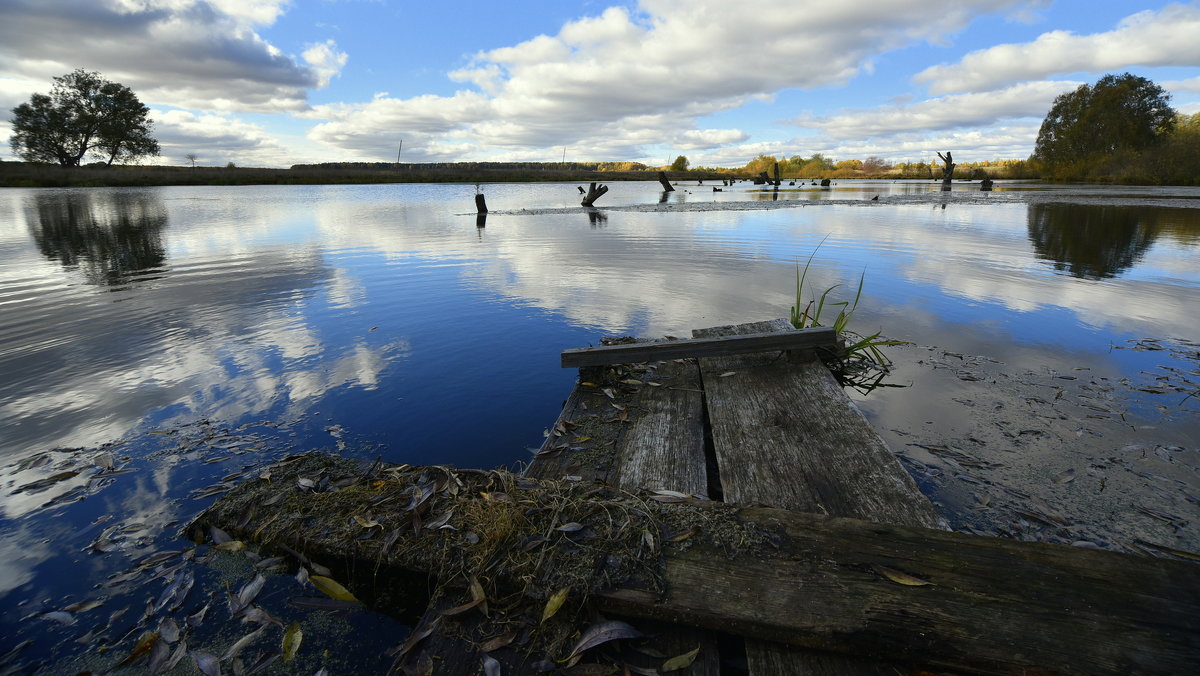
x: 280, y: 82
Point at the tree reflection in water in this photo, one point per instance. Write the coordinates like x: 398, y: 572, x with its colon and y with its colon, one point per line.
x: 111, y: 236
x: 1092, y: 241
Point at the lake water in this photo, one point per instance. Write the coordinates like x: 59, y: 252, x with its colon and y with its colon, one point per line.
x: 155, y: 342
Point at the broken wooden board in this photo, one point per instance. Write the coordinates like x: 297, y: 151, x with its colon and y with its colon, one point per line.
x: 638, y: 426
x: 786, y: 434
x: 703, y: 346
x: 918, y: 596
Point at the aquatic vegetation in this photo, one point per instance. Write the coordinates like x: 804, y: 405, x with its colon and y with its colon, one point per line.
x: 813, y: 312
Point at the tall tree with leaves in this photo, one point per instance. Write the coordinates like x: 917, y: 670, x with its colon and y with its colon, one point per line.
x: 680, y: 163
x: 1119, y: 112
x: 83, y: 114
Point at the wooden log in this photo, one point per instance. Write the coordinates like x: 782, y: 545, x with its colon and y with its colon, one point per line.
x: 824, y: 338
x: 991, y: 605
x: 480, y: 204
x: 594, y: 193
x: 666, y: 185
x: 922, y: 597
x: 836, y: 464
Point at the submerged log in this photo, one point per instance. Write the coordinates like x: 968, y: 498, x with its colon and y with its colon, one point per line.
x: 666, y: 185
x: 594, y: 193
x: 919, y: 596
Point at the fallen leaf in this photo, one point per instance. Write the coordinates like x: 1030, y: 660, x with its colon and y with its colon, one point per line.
x: 207, y: 663
x: 241, y: 643
x: 248, y: 592
x: 555, y: 602
x: 491, y: 667
x: 143, y: 646
x: 460, y: 609
x: 571, y: 527
x: 669, y: 496
x: 901, y: 578
x: 680, y: 661
x: 1065, y: 476
x: 602, y: 632
x: 292, y: 637
x: 681, y: 536
x: 727, y: 374
x: 230, y: 546
x: 83, y: 606
x: 331, y: 588
x: 478, y: 594
x: 499, y: 642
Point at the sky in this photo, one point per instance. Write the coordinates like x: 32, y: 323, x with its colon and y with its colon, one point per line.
x: 273, y: 83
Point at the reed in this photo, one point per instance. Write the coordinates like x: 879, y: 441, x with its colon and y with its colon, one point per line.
x: 815, y: 311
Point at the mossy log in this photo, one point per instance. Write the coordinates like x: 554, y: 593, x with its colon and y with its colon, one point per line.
x: 913, y: 595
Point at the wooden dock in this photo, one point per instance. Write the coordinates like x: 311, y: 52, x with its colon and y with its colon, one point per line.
x: 863, y: 577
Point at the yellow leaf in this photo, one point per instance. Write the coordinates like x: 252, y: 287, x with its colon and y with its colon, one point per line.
x: 680, y: 661
x: 230, y: 546
x: 555, y: 602
x: 291, y: 641
x: 331, y: 588
x: 901, y: 578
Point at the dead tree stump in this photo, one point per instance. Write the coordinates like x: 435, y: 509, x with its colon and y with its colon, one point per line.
x: 594, y: 193
x: 948, y: 170
x: 480, y: 204
x: 662, y: 178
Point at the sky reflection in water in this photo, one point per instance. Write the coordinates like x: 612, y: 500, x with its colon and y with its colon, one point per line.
x: 381, y: 320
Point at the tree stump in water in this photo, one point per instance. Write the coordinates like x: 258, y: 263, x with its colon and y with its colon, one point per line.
x: 985, y: 185
x: 948, y: 170
x: 480, y: 204
x: 662, y: 178
x: 594, y: 193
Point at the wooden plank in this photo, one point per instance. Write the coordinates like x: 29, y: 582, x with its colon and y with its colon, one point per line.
x: 785, y: 434
x: 792, y: 339
x: 659, y: 445
x: 991, y: 605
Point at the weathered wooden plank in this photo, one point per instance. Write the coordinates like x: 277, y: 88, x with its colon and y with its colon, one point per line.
x: 785, y: 434
x: 991, y: 605
x: 658, y: 445
x: 793, y: 339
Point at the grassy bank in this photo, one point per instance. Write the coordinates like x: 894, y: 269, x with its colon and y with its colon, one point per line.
x: 26, y: 175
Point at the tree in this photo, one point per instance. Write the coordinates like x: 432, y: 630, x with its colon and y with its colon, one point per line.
x: 83, y: 114
x: 192, y: 157
x: 1118, y: 113
x: 680, y: 164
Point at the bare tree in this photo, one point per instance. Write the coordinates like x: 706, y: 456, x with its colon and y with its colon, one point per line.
x: 192, y: 158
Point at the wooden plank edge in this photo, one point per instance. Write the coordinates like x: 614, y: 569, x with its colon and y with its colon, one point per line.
x: 796, y: 339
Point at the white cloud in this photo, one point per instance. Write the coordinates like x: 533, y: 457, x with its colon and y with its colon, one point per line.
x: 630, y: 79
x: 1150, y: 38
x: 1191, y: 86
x: 1031, y: 99
x: 203, y: 54
x: 216, y: 139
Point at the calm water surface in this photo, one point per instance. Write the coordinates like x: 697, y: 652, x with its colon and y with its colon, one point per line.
x: 154, y: 342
